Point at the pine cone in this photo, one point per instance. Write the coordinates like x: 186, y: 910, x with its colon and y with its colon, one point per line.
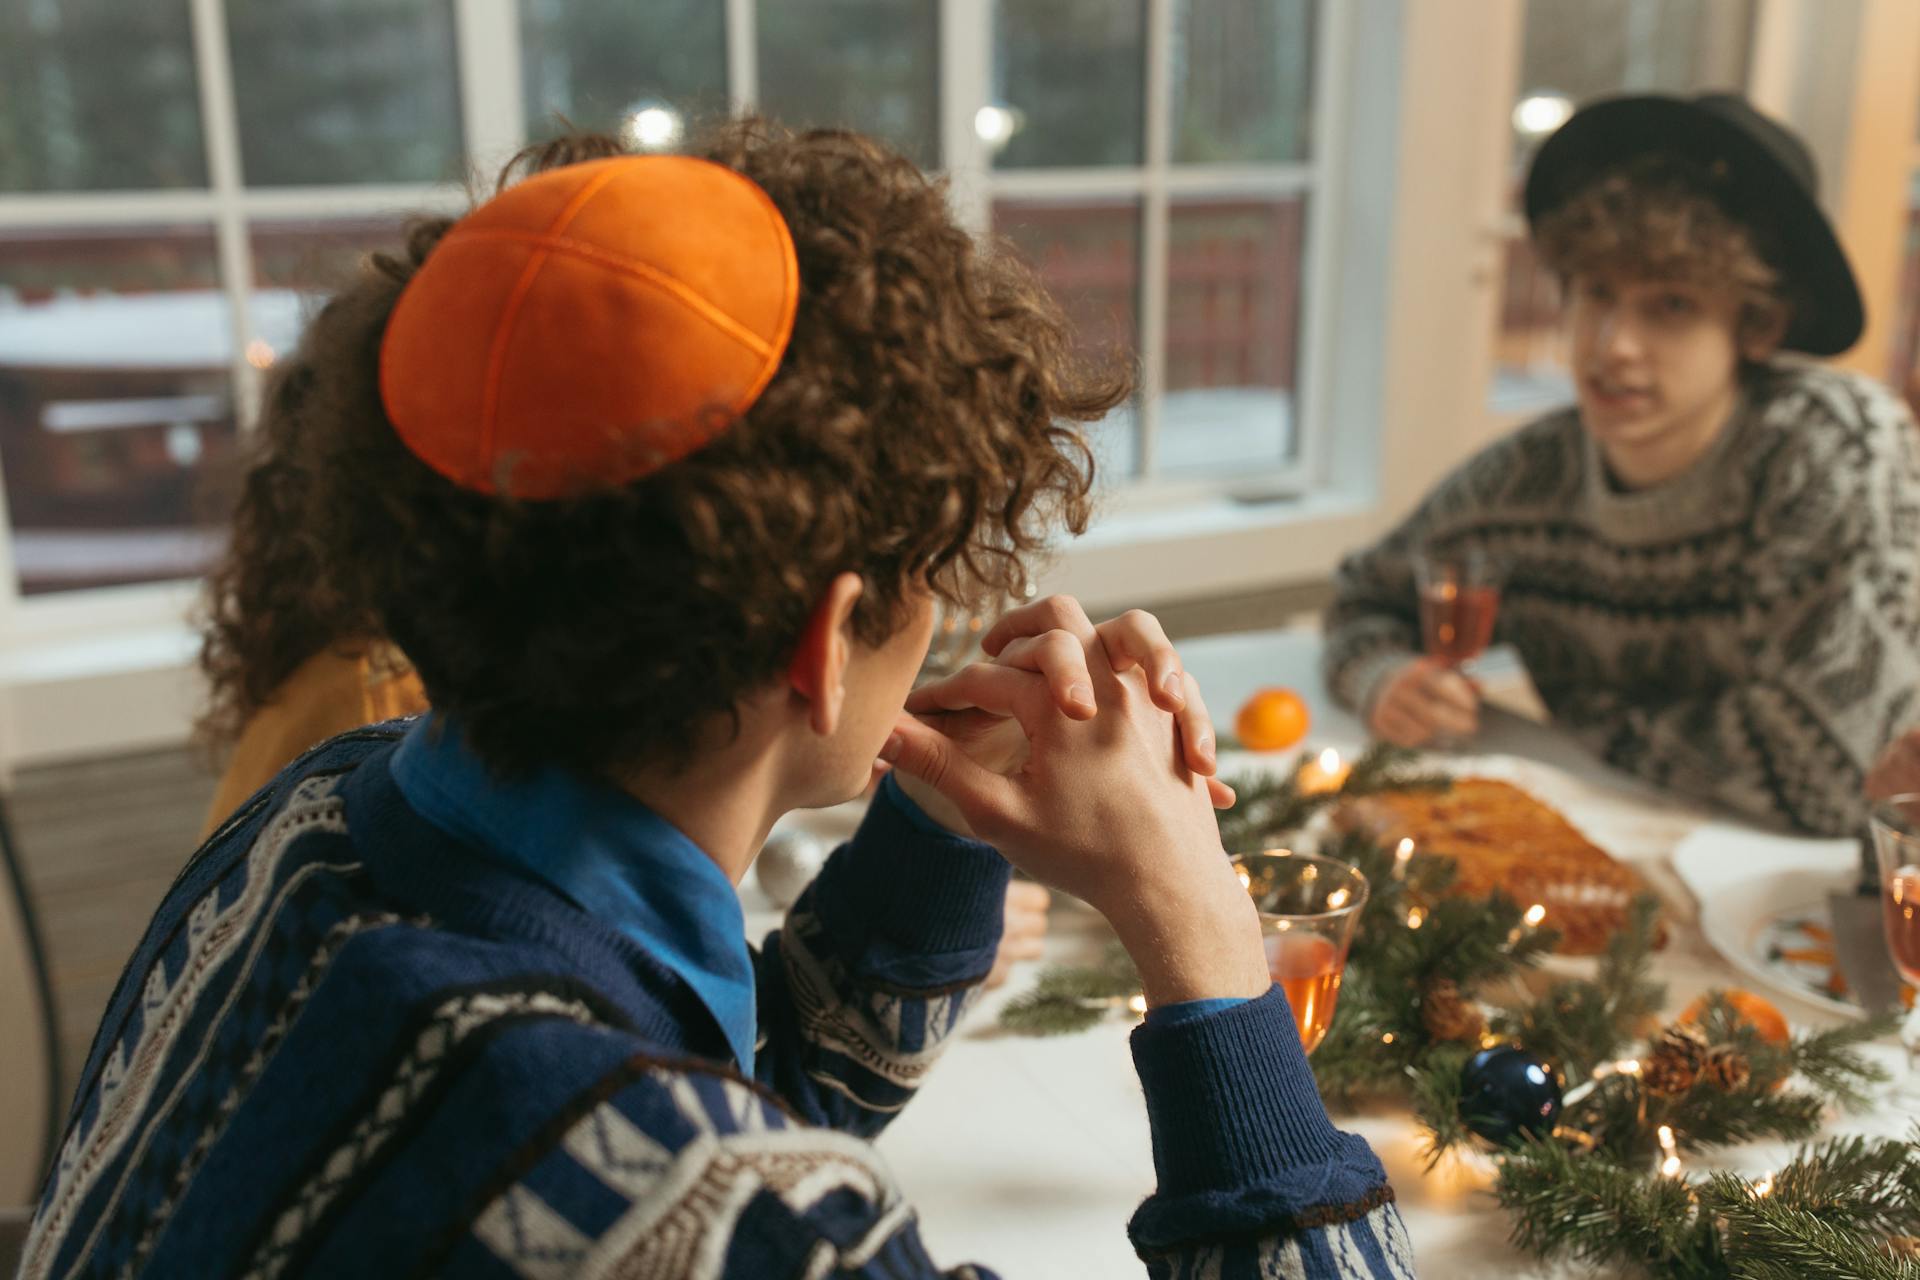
x: 1903, y: 1246
x: 1674, y: 1060
x: 1447, y: 1015
x: 1728, y: 1069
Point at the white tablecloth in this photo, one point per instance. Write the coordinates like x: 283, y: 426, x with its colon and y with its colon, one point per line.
x: 1029, y: 1154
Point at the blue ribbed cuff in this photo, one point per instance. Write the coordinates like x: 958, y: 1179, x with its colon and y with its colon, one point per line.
x: 1241, y: 1141
x: 1172, y: 1015
x: 921, y: 906
x: 897, y: 796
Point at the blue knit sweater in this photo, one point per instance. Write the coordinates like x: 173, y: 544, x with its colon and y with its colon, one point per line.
x: 350, y: 1046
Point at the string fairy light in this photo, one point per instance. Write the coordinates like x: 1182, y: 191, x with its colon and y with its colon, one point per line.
x: 1528, y: 922
x: 1670, y: 1165
x: 1402, y: 854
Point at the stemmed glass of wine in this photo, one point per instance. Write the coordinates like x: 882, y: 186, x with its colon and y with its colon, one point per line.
x: 1896, y: 844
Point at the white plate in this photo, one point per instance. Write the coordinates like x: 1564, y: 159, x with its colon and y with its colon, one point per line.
x: 1747, y: 881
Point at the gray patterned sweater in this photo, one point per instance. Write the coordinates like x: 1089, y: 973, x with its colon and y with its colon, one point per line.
x: 1747, y: 634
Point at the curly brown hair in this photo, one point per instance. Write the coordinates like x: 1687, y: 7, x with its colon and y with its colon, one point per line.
x: 1660, y: 217
x: 922, y: 430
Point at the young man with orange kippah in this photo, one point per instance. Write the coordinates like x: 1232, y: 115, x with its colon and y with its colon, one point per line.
x: 654, y: 467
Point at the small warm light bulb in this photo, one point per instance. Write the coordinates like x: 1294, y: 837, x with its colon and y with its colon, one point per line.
x: 1535, y: 914
x: 1329, y: 762
x: 1387, y: 1038
x: 1764, y: 1187
x: 260, y: 354
x: 1416, y: 918
x: 1670, y: 1166
x: 1137, y: 1003
x: 1628, y: 1066
x: 1246, y: 879
x: 1337, y: 899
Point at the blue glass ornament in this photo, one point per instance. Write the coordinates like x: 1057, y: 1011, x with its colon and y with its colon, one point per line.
x: 1506, y: 1092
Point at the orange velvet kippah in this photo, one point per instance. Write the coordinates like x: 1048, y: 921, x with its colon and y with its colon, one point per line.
x: 590, y: 325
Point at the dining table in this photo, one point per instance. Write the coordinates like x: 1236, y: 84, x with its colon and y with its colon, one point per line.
x: 1028, y: 1154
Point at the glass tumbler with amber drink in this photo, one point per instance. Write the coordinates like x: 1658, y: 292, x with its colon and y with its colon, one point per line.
x: 1308, y: 907
x: 1459, y: 601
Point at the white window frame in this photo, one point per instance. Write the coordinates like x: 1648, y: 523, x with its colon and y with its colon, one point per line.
x: 1156, y: 182
x: 1400, y: 285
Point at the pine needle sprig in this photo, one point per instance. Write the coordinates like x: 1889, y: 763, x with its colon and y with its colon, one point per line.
x: 1070, y: 998
x: 1830, y: 1060
x: 1579, y: 1025
x: 1603, y: 1214
x: 1773, y: 1238
x: 1867, y: 1185
x: 1434, y: 1093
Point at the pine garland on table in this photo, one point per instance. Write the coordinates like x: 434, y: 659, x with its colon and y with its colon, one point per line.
x: 1604, y: 1186
x: 1838, y: 1209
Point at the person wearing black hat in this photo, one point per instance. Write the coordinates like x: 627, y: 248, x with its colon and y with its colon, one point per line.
x: 1708, y: 559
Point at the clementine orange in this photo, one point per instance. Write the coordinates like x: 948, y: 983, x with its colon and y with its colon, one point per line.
x: 1271, y: 720
x: 1751, y: 1009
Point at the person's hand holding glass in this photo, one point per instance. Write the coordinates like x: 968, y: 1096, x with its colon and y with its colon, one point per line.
x: 1429, y: 699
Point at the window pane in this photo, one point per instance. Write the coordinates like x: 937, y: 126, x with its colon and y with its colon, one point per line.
x: 1574, y: 50
x: 599, y: 63
x: 871, y: 65
x: 115, y: 398
x: 1070, y: 77
x: 1906, y: 349
x: 98, y: 94
x: 1242, y: 79
x: 1233, y: 328
x: 345, y: 90
x: 299, y: 264
x: 1087, y: 253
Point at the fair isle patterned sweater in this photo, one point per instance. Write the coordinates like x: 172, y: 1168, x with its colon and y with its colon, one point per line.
x: 348, y: 1047
x: 1747, y: 634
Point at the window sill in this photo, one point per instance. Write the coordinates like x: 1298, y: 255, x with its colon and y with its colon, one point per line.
x: 126, y: 690
x: 1140, y: 552
x: 114, y: 671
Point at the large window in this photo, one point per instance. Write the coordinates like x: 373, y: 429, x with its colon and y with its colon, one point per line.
x: 181, y: 179
x: 178, y: 181
x: 1155, y: 162
x: 1573, y: 51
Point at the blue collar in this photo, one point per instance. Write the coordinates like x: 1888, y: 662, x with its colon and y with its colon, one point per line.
x: 607, y: 853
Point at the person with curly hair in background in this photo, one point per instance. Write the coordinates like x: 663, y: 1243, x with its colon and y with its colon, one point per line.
x: 1709, y: 559
x: 654, y: 467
